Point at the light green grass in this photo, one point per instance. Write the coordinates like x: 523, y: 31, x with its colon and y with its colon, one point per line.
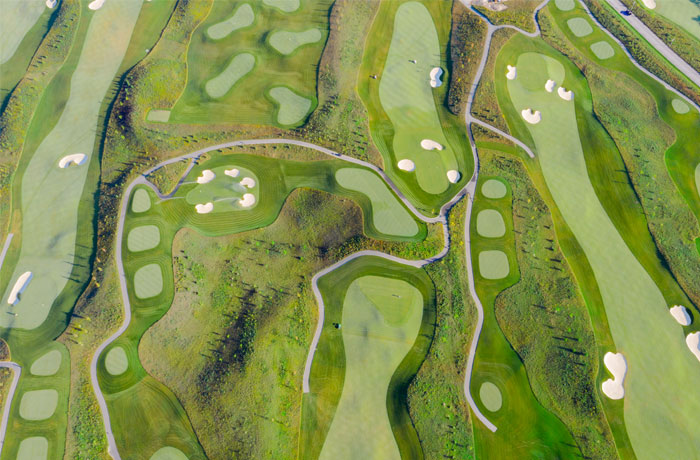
x: 602, y: 50
x: 388, y: 215
x: 292, y: 108
x: 286, y: 6
x: 141, y: 202
x: 116, y: 361
x: 224, y: 191
x: 490, y: 396
x: 168, y: 453
x: 407, y: 97
x: 38, y: 404
x: 652, y: 342
x: 158, y: 115
x: 494, y: 189
x: 47, y: 364
x: 685, y: 13
x: 580, y: 26
x: 680, y: 106
x: 148, y: 281
x: 381, y: 319
x: 18, y: 16
x: 239, y: 67
x: 493, y: 265
x: 143, y: 238
x: 241, y: 18
x: 565, y: 5
x: 697, y: 177
x: 490, y: 224
x: 286, y: 42
x: 34, y: 448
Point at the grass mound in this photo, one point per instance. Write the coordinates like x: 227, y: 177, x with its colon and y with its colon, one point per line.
x: 565, y: 5
x: 168, y: 453
x: 158, y: 115
x: 493, y: 188
x: 680, y: 106
x: 493, y: 265
x: 286, y: 6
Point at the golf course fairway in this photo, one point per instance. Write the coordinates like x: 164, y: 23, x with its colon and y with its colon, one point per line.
x: 661, y: 418
x: 18, y: 16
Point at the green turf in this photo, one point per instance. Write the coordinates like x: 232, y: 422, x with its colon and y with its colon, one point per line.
x: 388, y: 215
x: 224, y: 191
x: 148, y: 281
x: 493, y: 265
x: 168, y: 453
x: 680, y: 106
x: 697, y: 178
x: 565, y: 5
x: 143, y: 238
x: 158, y: 115
x: 34, y: 448
x: 490, y: 224
x: 580, y: 26
x: 242, y: 17
x: 291, y: 107
x: 286, y: 42
x: 47, y: 364
x: 116, y: 361
x: 490, y: 396
x: 494, y: 189
x: 240, y: 66
x: 38, y: 404
x: 287, y: 6
x: 141, y: 202
x: 685, y: 13
x: 638, y: 313
x: 18, y: 16
x: 602, y: 50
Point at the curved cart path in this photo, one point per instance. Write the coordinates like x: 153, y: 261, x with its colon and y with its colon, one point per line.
x: 17, y: 370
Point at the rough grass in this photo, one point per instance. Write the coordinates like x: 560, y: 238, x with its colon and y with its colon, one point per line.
x: 518, y: 13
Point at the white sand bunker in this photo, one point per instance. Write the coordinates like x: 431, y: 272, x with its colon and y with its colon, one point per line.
x: 248, y: 182
x: 693, y: 342
x: 549, y: 86
x: 453, y: 176
x: 19, y: 287
x: 75, y: 159
x: 96, y: 4
x: 247, y: 201
x: 681, y: 315
x: 51, y: 3
x: 617, y: 365
x: 532, y: 117
x: 512, y: 73
x: 428, y: 144
x: 435, y: 75
x: 204, y: 208
x: 564, y: 94
x: 207, y: 176
x: 232, y: 172
x: 651, y: 4
x: 407, y: 165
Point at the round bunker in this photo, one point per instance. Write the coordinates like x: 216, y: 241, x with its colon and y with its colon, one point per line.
x: 490, y: 224
x: 617, y: 365
x: 494, y: 189
x: 286, y: 6
x: 148, y: 281
x: 239, y: 67
x: 286, y: 42
x: 143, y: 238
x: 493, y: 265
x: 38, y: 404
x: 74, y: 159
x: 34, y: 448
x: 242, y: 17
x: 47, y: 364
x: 116, y: 361
x: 490, y: 396
x: 428, y: 144
x: 681, y: 315
x: 141, y: 202
x: 602, y: 50
x: 292, y: 108
x: 579, y: 26
x: 680, y: 106
x: 168, y: 453
x: 406, y: 165
x: 564, y: 94
x: 565, y: 5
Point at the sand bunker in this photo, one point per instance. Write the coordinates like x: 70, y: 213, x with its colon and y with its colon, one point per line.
x: 564, y: 94
x: 247, y: 201
x: 693, y: 342
x: 549, y: 86
x: 651, y: 4
x: 532, y: 117
x: 681, y: 315
x: 453, y: 176
x: 47, y: 364
x: 207, y: 176
x: 617, y: 365
x: 512, y: 73
x: 407, y: 165
x: 51, y: 3
x: 74, y: 159
x: 248, y: 182
x: 96, y: 4
x: 428, y: 144
x: 204, y: 208
x: 19, y: 287
x: 435, y: 75
x: 232, y: 172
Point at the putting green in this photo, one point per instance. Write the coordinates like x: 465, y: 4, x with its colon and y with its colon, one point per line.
x: 580, y: 26
x: 380, y: 322
x: 239, y: 67
x: 388, y: 215
x: 407, y: 98
x: 18, y: 16
x: 685, y: 13
x: 287, y: 42
x: 141, y: 202
x: 38, y: 404
x: 286, y: 6
x: 494, y: 189
x: 143, y: 238
x: 680, y: 106
x: 34, y: 448
x: 158, y: 115
x: 223, y: 191
x: 292, y: 108
x: 489, y: 223
x: 116, y: 361
x: 652, y: 342
x: 47, y: 364
x: 565, y: 5
x: 51, y: 196
x: 168, y: 453
x: 493, y: 265
x: 242, y: 17
x: 490, y: 396
x: 602, y: 50
x: 148, y: 281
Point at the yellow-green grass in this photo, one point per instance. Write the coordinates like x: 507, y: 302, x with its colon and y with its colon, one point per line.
x: 640, y: 324
x: 225, y: 191
x: 291, y: 107
x: 565, y: 5
x: 168, y: 453
x: 697, y: 178
x: 116, y: 361
x: 140, y: 201
x: 242, y: 17
x: 680, y: 106
x: 148, y: 281
x: 489, y: 223
x: 38, y: 404
x: 580, y: 26
x: 286, y: 41
x: 240, y: 66
x: 380, y: 322
x: 330, y: 378
x: 602, y: 50
x: 158, y: 115
x: 18, y: 17
x: 47, y: 364
x: 683, y: 12
x: 490, y: 396
x: 493, y: 188
x: 33, y: 448
x: 388, y: 215
x: 287, y: 6
x: 143, y: 238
